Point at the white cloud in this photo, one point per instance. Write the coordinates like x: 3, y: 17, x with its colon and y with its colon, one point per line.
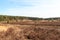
x: 25, y: 0
x: 42, y: 8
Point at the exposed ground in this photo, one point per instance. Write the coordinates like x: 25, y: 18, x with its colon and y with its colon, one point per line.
x: 30, y: 31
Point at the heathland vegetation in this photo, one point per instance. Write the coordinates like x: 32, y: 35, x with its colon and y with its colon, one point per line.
x: 29, y: 28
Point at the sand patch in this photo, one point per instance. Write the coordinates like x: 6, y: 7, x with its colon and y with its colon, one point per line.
x: 3, y: 28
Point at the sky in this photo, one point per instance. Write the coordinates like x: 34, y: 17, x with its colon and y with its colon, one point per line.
x: 31, y: 8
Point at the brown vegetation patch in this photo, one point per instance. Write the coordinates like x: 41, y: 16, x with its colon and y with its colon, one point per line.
x: 30, y: 33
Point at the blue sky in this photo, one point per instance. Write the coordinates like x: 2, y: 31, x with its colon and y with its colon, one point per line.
x: 34, y: 8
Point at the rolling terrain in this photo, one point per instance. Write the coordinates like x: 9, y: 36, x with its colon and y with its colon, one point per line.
x: 29, y: 28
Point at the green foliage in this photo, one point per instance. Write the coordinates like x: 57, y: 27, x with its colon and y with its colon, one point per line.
x: 7, y: 18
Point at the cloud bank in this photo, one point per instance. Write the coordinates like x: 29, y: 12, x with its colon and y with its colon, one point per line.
x: 37, y: 8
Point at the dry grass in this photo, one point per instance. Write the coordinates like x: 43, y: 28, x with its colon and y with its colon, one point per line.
x: 3, y: 28
x: 29, y: 33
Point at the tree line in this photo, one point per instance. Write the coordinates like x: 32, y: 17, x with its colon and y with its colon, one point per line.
x: 6, y: 18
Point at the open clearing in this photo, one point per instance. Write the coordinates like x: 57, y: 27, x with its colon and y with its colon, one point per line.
x: 30, y: 31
